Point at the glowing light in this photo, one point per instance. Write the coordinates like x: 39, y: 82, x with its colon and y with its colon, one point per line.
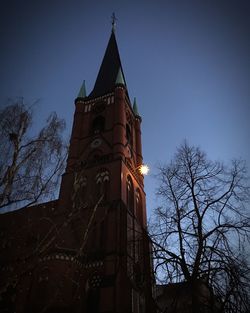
x: 144, y: 169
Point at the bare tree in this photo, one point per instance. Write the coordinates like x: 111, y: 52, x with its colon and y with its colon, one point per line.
x: 30, y: 165
x: 201, y: 231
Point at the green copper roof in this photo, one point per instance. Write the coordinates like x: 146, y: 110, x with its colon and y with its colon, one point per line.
x: 120, y: 78
x: 135, y: 108
x: 82, y: 91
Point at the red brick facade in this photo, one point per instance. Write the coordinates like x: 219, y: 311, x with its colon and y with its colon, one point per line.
x: 88, y: 251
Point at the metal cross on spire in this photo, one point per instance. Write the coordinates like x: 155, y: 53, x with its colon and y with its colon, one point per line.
x: 113, y: 19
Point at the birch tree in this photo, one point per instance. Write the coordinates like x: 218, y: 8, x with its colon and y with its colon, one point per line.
x: 30, y: 164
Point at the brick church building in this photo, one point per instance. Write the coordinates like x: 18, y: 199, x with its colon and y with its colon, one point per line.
x: 87, y: 251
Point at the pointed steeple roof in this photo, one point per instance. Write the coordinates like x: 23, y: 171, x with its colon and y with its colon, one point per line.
x: 82, y: 91
x: 111, y: 63
x: 120, y: 79
x: 135, y: 108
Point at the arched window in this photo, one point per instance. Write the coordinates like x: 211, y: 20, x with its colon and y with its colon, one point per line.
x: 102, y: 184
x: 128, y: 134
x: 98, y: 124
x: 138, y: 205
x: 79, y: 190
x: 98, y: 189
x: 130, y: 194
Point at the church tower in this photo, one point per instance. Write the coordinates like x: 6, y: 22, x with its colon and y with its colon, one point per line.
x: 103, y: 181
x: 103, y: 167
x: 88, y: 251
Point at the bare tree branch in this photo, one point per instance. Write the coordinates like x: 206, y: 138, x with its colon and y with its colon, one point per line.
x: 200, y: 230
x: 30, y: 164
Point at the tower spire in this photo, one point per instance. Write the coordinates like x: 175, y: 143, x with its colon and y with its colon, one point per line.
x: 82, y: 91
x: 135, y: 108
x: 107, y: 75
x: 119, y: 78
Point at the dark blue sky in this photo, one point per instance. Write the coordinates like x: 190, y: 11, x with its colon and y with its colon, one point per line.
x: 186, y: 62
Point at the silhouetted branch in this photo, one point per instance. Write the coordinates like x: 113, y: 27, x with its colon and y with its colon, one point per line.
x: 202, y: 224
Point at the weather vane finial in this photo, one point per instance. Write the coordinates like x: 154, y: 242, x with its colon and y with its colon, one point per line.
x: 113, y: 19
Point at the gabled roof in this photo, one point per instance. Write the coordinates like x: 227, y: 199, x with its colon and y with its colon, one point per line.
x: 111, y: 63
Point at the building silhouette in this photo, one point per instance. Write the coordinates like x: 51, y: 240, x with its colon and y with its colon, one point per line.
x: 88, y: 251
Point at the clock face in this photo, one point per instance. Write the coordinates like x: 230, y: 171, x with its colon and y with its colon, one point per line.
x: 96, y: 143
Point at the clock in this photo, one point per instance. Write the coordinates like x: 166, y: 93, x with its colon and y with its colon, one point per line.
x: 96, y: 143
